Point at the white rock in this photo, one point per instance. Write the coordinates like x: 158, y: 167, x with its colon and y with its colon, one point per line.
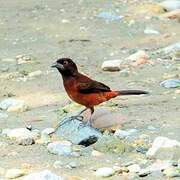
x: 111, y: 65
x: 172, y: 48
x: 124, y: 134
x: 161, y: 142
x: 172, y: 172
x: 14, y: 173
x: 60, y: 148
x: 170, y: 5
x: 159, y: 166
x: 134, y: 168
x: 48, y: 131
x: 18, y: 133
x: 137, y: 56
x: 13, y: 105
x: 150, y: 31
x: 43, y: 175
x: 104, y: 172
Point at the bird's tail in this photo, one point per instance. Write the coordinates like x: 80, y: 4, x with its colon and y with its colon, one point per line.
x: 131, y: 92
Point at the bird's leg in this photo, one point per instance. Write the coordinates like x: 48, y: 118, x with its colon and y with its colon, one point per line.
x: 71, y: 118
x: 90, y: 120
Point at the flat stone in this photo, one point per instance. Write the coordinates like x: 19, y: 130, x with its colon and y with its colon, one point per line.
x: 48, y: 131
x: 105, y: 172
x: 134, y: 168
x: 172, y: 172
x: 43, y: 175
x: 14, y: 173
x: 76, y: 133
x: 60, y: 148
x: 111, y: 65
x: 170, y: 83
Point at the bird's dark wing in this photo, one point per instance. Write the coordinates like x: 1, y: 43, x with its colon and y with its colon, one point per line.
x: 92, y: 87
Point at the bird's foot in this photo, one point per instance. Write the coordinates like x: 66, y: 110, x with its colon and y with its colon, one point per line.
x: 69, y: 119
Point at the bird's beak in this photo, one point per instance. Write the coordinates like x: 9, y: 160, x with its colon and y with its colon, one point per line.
x: 56, y: 65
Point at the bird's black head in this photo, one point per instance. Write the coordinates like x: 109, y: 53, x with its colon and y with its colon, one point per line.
x: 66, y: 66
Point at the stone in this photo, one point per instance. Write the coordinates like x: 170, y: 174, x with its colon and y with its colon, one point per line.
x: 104, y: 172
x: 60, y: 148
x: 13, y: 105
x: 172, y: 14
x: 96, y: 153
x: 111, y: 144
x: 134, y: 168
x: 170, y: 5
x: 25, y: 141
x: 72, y: 165
x: 111, y: 65
x: 109, y: 16
x: 48, y: 131
x: 165, y: 149
x: 172, y: 172
x: 170, y: 83
x: 74, y: 131
x: 44, y: 139
x: 120, y: 170
x: 151, y: 31
x: 143, y: 172
x: 124, y: 134
x: 43, y: 175
x: 14, y: 173
x: 171, y: 48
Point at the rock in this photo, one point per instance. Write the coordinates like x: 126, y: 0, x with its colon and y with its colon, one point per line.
x: 43, y: 175
x: 3, y: 116
x: 172, y: 172
x: 124, y: 134
x: 35, y: 73
x: 111, y: 144
x: 170, y: 83
x: 170, y: 5
x: 22, y: 135
x: 105, y: 172
x: 171, y: 48
x: 60, y: 148
x: 172, y: 15
x: 111, y: 65
x: 44, y: 139
x: 58, y: 164
x: 134, y: 168
x: 139, y: 58
x: 72, y: 165
x: 144, y: 172
x: 96, y: 153
x: 13, y: 105
x: 23, y: 59
x: 109, y: 16
x: 77, y: 134
x: 159, y: 166
x: 120, y: 170
x: 14, y: 173
x: 165, y: 149
x: 150, y: 31
x: 48, y: 131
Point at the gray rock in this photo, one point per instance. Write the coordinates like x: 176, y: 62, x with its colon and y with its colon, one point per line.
x: 74, y: 132
x: 111, y: 65
x: 60, y: 148
x: 165, y: 149
x: 105, y: 172
x: 13, y: 105
x: 43, y: 175
x: 170, y: 83
x: 14, y: 173
x: 170, y: 5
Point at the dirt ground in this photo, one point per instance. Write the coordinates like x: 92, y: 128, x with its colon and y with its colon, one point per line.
x: 47, y: 30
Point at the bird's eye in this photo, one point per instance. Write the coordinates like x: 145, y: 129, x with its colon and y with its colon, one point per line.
x: 65, y: 62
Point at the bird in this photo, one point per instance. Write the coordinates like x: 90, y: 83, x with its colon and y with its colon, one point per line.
x: 84, y: 90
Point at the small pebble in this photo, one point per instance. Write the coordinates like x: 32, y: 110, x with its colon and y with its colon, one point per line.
x: 105, y: 172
